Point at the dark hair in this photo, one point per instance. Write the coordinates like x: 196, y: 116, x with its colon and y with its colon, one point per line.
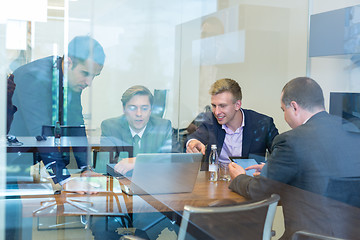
x: 136, y: 90
x: 305, y: 92
x: 82, y: 48
x: 226, y: 85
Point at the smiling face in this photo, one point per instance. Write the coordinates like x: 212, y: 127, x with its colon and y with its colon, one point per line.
x: 82, y: 75
x: 225, y: 110
x: 137, y: 111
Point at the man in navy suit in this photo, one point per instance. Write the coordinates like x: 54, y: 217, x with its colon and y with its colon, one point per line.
x: 235, y: 131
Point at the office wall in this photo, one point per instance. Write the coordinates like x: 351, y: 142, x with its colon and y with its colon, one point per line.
x: 334, y: 73
x: 139, y: 39
x: 270, y: 48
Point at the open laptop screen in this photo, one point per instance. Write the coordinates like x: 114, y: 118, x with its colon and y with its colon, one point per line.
x: 164, y: 173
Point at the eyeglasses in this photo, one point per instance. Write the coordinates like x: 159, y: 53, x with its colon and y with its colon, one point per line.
x: 133, y: 108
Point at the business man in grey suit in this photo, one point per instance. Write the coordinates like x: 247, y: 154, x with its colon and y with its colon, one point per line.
x: 137, y: 127
x: 147, y: 134
x: 305, y: 158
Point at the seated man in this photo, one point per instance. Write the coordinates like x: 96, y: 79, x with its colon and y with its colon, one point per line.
x: 235, y: 131
x: 147, y: 134
x: 137, y: 127
x: 303, y: 163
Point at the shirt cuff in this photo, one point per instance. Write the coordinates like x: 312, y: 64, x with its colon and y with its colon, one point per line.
x: 64, y: 181
x: 187, y: 143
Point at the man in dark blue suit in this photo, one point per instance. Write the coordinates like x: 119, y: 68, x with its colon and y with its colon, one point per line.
x: 303, y: 162
x: 235, y: 131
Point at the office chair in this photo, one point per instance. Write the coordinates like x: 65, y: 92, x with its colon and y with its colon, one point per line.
x: 345, y: 189
x: 299, y: 235
x: 70, y: 131
x: 159, y: 104
x: 48, y: 130
x: 242, y: 221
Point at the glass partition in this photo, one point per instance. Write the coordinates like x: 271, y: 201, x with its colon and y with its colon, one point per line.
x: 99, y: 73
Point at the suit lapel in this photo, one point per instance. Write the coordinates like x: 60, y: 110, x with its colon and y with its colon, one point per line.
x: 124, y: 130
x: 247, y: 135
x: 220, y: 135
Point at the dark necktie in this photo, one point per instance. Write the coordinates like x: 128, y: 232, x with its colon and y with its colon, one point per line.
x: 136, y: 140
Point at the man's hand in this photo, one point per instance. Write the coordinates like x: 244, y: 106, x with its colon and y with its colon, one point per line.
x: 258, y: 168
x: 195, y: 146
x: 125, y: 165
x: 235, y: 170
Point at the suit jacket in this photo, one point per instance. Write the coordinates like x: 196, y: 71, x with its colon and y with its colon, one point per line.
x: 157, y: 138
x: 258, y: 134
x: 33, y: 98
x: 305, y: 158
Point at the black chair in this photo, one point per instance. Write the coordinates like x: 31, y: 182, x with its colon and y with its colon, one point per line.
x: 70, y: 131
x: 345, y: 189
x: 159, y: 104
x: 241, y: 221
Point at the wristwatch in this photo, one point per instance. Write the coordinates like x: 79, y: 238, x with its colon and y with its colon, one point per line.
x: 86, y: 168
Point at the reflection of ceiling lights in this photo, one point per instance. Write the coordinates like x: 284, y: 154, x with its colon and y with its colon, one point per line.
x: 29, y: 10
x: 56, y: 11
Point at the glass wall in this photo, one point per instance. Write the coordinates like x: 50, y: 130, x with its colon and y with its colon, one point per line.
x: 175, y: 49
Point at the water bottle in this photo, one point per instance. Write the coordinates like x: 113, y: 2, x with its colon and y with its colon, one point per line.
x: 57, y: 133
x: 213, y: 164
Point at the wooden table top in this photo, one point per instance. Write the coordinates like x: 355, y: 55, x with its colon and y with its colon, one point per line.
x: 204, y: 193
x: 114, y: 202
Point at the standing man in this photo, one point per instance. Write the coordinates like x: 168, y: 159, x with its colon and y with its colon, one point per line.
x: 304, y: 158
x: 11, y: 109
x: 36, y: 99
x: 235, y: 131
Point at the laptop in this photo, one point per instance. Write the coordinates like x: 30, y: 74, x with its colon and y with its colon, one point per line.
x: 161, y: 173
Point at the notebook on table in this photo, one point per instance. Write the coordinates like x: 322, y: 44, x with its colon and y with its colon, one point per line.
x: 160, y: 173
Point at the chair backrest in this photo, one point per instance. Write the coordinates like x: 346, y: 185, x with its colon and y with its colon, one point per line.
x: 69, y: 131
x: 345, y: 189
x: 243, y: 221
x: 159, y: 104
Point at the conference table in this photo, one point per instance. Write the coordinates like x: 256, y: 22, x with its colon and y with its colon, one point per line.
x: 111, y: 201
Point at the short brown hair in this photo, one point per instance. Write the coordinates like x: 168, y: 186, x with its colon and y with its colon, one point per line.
x: 136, y: 90
x: 226, y: 85
x: 305, y: 92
